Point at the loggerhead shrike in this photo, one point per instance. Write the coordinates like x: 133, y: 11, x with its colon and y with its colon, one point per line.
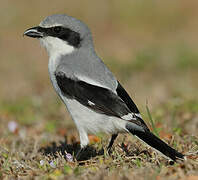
x: 95, y: 99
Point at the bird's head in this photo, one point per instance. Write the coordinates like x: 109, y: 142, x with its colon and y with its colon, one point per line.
x: 61, y: 33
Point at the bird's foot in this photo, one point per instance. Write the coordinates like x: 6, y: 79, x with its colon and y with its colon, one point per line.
x: 79, y: 153
x: 109, y: 148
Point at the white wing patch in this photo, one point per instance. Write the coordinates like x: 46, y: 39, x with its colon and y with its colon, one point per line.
x: 131, y: 116
x: 91, y: 103
x: 128, y: 116
x: 138, y: 115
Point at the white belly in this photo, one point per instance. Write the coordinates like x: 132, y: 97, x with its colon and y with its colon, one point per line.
x: 92, y: 122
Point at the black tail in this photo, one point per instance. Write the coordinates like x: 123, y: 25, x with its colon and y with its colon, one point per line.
x: 158, y: 144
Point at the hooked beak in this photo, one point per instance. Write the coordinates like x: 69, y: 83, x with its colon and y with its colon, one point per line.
x: 33, y: 32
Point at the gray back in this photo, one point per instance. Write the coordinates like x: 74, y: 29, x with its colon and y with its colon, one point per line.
x: 85, y: 63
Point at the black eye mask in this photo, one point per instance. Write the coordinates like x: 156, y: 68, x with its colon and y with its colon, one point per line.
x: 73, y: 38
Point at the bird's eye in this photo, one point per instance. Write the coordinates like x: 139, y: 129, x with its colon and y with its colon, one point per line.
x: 57, y: 29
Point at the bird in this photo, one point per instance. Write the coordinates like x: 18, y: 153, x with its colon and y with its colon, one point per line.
x: 95, y: 99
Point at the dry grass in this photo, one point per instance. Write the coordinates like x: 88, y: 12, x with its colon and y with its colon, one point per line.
x: 152, y: 49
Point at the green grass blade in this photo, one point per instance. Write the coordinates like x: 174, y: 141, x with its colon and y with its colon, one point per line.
x: 155, y: 131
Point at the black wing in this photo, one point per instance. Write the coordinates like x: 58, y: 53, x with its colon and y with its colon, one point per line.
x: 94, y: 97
x: 126, y: 98
x: 131, y: 105
x: 100, y: 99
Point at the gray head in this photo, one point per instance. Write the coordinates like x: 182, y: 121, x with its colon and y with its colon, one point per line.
x: 61, y: 33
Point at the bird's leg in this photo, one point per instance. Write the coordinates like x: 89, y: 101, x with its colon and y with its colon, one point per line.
x: 84, y: 141
x: 80, y: 151
x: 113, y: 137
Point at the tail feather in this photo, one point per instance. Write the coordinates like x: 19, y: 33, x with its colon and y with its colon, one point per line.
x: 158, y: 144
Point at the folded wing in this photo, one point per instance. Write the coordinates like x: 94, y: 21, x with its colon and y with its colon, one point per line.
x: 100, y: 99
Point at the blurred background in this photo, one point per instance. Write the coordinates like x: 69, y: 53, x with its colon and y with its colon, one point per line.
x: 151, y: 46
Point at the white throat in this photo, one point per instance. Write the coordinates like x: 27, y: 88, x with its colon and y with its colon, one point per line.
x: 56, y: 47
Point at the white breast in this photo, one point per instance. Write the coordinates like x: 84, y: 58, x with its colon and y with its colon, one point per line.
x: 55, y: 48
